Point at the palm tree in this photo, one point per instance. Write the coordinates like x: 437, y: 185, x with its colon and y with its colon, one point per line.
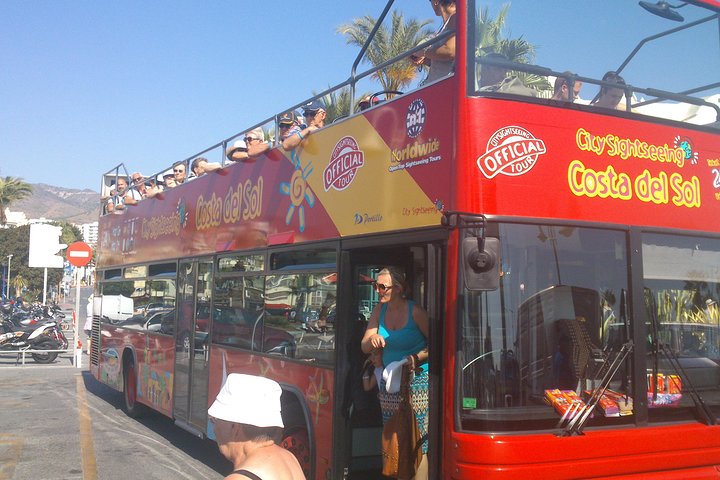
x: 19, y: 283
x: 491, y: 38
x: 12, y: 190
x: 337, y: 103
x: 401, y: 37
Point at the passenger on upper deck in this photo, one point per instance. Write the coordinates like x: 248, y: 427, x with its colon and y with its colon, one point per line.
x: 237, y: 152
x: 562, y: 88
x: 169, y: 180
x: 201, y: 166
x: 179, y: 172
x: 117, y: 202
x: 610, y: 97
x: 494, y: 78
x: 286, y: 122
x: 314, y: 113
x: 138, y: 190
x: 368, y: 102
x: 440, y: 58
x: 255, y: 141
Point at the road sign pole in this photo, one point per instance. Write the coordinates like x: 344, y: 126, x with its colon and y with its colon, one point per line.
x: 78, y: 348
x: 45, y: 286
x: 78, y: 254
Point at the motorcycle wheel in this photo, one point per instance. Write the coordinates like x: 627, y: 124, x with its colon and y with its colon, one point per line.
x: 132, y: 408
x: 47, y: 344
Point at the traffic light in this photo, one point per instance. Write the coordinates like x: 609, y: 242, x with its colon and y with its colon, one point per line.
x: 45, y: 245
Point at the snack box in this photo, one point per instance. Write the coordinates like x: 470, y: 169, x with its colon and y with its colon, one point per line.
x: 566, y: 402
x: 607, y: 405
x: 664, y: 400
x: 671, y: 384
x: 624, y: 403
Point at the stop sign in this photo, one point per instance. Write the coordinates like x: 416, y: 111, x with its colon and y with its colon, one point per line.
x: 79, y: 254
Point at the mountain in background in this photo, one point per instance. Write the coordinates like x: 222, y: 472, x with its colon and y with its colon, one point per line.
x: 58, y: 203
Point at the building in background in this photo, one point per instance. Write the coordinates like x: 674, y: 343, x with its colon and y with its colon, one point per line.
x: 89, y: 232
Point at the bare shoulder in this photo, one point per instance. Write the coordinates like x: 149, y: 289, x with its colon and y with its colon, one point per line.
x: 419, y: 311
x: 276, y: 464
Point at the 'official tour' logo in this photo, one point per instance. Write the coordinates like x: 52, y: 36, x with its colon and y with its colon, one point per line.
x: 510, y: 151
x: 345, y: 161
x: 415, y: 118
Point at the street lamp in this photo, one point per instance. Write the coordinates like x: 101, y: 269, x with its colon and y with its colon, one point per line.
x: 7, y: 293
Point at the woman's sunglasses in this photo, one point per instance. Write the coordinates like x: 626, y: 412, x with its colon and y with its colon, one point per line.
x: 381, y: 287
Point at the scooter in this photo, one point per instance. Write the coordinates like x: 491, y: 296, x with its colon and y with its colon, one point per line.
x: 14, y: 338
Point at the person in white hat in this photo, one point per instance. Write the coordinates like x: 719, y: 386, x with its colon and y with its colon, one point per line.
x: 237, y: 151
x: 248, y: 425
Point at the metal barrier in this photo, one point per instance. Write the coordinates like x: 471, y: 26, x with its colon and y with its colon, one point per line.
x: 22, y: 353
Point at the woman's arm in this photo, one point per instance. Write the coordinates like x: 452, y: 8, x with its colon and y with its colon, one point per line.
x: 372, y: 339
x: 420, y: 317
x: 446, y: 51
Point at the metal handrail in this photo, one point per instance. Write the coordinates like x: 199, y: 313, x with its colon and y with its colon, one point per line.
x: 627, y: 88
x: 364, y: 48
x: 23, y: 353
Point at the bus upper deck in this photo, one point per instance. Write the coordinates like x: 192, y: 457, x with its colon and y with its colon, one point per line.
x: 654, y: 150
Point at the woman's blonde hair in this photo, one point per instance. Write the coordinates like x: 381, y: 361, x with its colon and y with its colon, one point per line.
x: 398, y: 279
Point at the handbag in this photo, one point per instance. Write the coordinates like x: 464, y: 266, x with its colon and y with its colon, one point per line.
x: 401, y: 439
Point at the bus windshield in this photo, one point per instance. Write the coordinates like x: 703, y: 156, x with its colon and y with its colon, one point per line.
x: 561, y: 314
x: 659, y: 61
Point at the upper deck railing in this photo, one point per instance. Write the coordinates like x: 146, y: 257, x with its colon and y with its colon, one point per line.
x: 270, y: 125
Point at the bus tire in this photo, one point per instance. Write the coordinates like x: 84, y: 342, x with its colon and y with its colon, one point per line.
x: 133, y: 409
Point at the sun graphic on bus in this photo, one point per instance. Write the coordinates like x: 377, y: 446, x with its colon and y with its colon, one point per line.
x: 298, y: 189
x: 686, y: 145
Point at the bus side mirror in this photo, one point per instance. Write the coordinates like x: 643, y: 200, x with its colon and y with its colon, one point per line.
x: 480, y: 257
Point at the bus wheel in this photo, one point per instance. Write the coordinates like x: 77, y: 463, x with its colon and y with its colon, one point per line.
x: 296, y: 441
x: 132, y: 407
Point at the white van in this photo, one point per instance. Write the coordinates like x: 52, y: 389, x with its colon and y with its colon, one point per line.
x: 113, y: 308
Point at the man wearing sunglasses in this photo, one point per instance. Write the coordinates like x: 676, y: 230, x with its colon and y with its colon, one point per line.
x: 179, y: 172
x: 314, y: 113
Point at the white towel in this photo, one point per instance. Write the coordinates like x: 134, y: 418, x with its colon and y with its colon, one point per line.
x: 393, y: 375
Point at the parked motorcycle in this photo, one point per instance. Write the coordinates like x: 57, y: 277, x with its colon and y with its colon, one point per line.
x: 35, y: 338
x: 31, y: 314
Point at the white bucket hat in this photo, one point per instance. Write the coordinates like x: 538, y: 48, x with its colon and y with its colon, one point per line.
x: 250, y: 400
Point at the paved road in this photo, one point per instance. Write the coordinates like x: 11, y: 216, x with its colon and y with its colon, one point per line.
x: 58, y: 422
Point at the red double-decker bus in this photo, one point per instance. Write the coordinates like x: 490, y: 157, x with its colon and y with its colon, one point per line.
x: 564, y: 241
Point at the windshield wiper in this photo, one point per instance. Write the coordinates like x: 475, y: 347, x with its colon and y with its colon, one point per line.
x: 577, y: 423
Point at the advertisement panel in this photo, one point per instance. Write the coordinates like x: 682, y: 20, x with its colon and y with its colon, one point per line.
x: 545, y: 162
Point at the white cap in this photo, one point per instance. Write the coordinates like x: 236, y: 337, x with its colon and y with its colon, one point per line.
x: 236, y: 145
x: 250, y: 400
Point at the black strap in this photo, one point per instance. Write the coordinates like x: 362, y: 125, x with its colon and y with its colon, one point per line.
x: 247, y: 474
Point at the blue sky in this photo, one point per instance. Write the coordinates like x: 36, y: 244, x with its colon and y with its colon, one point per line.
x: 86, y: 85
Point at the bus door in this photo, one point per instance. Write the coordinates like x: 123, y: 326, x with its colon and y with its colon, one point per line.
x: 195, y: 286
x: 362, y: 409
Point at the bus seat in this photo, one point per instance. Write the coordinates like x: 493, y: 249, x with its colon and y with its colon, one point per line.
x: 576, y: 348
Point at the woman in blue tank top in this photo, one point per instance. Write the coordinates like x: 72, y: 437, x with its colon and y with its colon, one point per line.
x: 399, y: 327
